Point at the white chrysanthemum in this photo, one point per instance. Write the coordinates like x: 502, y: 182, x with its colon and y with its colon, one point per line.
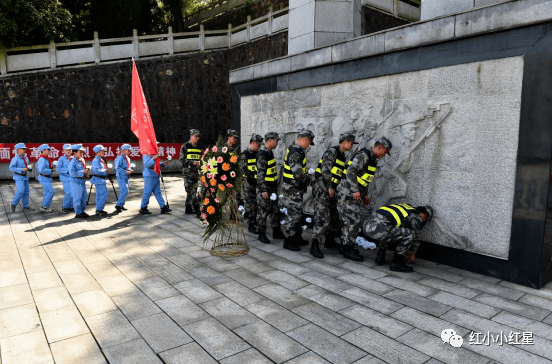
x: 283, y: 210
x: 366, y: 244
x: 311, y: 171
x: 282, y: 222
x: 169, y: 157
x: 308, y: 219
x: 304, y: 227
x: 273, y: 197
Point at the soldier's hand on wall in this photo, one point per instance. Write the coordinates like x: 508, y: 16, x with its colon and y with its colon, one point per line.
x: 331, y: 191
x: 356, y: 196
x: 264, y: 195
x: 366, y: 200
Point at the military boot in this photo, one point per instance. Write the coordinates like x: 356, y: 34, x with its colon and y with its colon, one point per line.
x: 197, y: 211
x: 253, y: 229
x: 330, y: 242
x: 165, y: 209
x: 315, y: 249
x: 397, y: 264
x: 299, y: 241
x: 380, y: 258
x: 289, y: 244
x: 263, y: 238
x: 277, y: 233
x: 350, y: 253
x: 189, y: 209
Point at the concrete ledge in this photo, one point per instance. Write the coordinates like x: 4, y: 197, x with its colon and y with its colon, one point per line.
x: 513, y: 14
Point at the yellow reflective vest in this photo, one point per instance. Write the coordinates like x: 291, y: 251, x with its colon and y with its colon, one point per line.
x: 337, y: 170
x: 396, y: 213
x: 288, y: 174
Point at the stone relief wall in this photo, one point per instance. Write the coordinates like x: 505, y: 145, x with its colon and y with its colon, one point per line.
x: 454, y: 132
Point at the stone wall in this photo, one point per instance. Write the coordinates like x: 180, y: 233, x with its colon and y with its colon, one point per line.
x: 92, y: 104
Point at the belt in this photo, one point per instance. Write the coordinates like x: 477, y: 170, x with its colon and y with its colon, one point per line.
x: 43, y: 175
x: 21, y: 174
x: 102, y: 177
x: 80, y: 177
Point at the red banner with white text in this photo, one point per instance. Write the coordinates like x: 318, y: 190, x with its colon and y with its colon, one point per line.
x: 166, y: 150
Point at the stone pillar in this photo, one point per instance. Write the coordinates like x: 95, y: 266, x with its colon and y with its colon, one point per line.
x: 318, y: 23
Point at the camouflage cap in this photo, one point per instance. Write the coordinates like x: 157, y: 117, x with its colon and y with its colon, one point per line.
x: 194, y: 132
x: 307, y: 133
x: 385, y: 143
x: 256, y: 138
x: 347, y: 136
x: 272, y: 135
x: 232, y: 132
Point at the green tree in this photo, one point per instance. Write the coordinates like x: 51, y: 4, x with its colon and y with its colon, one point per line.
x: 32, y: 22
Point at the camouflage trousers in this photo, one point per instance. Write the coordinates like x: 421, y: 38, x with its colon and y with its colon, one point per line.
x: 190, y: 184
x: 326, y: 217
x: 265, y: 208
x: 378, y: 227
x: 292, y: 202
x: 349, y: 213
x: 249, y: 195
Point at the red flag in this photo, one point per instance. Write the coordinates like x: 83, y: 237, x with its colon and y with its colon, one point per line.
x: 141, y: 124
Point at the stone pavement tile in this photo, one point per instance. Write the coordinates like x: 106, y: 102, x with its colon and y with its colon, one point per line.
x: 117, y: 285
x: 543, y: 292
x: 502, y: 353
x: 93, y: 303
x: 197, y: 291
x: 491, y: 288
x: 70, y: 267
x: 481, y: 277
x: 102, y: 269
x: 18, y: 320
x: 362, y: 269
x: 218, y: 263
x: 43, y: 280
x: 251, y: 264
x: 136, y: 305
x: 433, y: 346
x: 78, y: 283
x: 247, y: 278
x: 369, y: 299
x: 182, y: 310
x: 384, y: 348
x: 412, y: 276
x: 111, y: 328
x: 449, y: 287
x: 249, y: 356
x: 408, y: 286
x: 282, y: 296
x: 185, y: 261
x: 171, y: 273
x: 29, y: 348
x: 329, y: 283
x: 262, y: 256
x: 156, y: 288
x: 242, y: 295
x: 228, y: 313
x: 369, y: 359
x: 325, y: 298
x: 465, y: 304
x: 79, y: 349
x: 284, y: 279
x: 199, y: 254
x: 13, y: 296
x: 366, y: 283
x: 292, y: 256
x: 59, y: 252
x: 271, y: 342
x: 439, y: 273
x: 325, y: 268
x: 307, y: 358
x: 209, y: 276
x: 187, y: 354
x: 376, y: 320
x: 536, y: 301
x: 523, y: 323
x: 513, y: 306
x: 215, y: 338
x: 136, y: 271
x: 435, y: 361
x: 328, y: 346
x: 277, y: 316
x: 419, y: 303
x: 289, y: 267
x: 51, y: 299
x: 63, y: 323
x: 428, y: 323
x: 161, y: 333
x: 132, y: 352
x: 326, y: 319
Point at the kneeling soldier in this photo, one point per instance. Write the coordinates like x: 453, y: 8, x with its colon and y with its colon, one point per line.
x: 248, y: 165
x: 398, y: 223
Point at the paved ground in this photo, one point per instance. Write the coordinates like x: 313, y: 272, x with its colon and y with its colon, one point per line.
x: 142, y: 289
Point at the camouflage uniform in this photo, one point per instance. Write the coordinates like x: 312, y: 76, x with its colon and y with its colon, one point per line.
x: 359, y: 174
x: 293, y: 189
x: 248, y: 166
x: 188, y: 155
x: 265, y: 207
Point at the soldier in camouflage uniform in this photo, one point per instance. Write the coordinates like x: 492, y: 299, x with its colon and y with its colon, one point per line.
x: 327, y: 178
x: 190, y: 155
x: 267, y: 188
x: 398, y: 223
x: 296, y: 181
x: 354, y: 188
x: 232, y: 138
x: 248, y: 165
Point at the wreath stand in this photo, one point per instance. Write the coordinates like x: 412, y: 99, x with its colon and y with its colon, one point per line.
x: 230, y: 238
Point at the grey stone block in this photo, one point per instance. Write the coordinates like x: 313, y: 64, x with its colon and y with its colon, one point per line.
x: 465, y: 304
x: 131, y: 352
x: 311, y: 59
x: 412, y: 287
x: 189, y: 353
x: 480, y: 3
x: 79, y: 349
x: 43, y: 280
x: 171, y: 273
x: 369, y: 359
x: 156, y: 288
x: 241, y: 75
x: 522, y: 323
x: 260, y: 255
x: 326, y: 319
x: 325, y: 298
x: 251, y: 264
x: 247, y: 278
x: 301, y: 44
x: 428, y: 323
x: 362, y: 269
x: 111, y: 328
x: 419, y: 303
x: 301, y: 20
x: 458, y: 290
x: 161, y: 333
x: 62, y: 324
x: 325, y: 39
x: 116, y: 285
x: 540, y: 302
x: 182, y: 310
x: 307, y: 358
x: 544, y: 293
x: 358, y: 48
x: 441, y: 274
x: 277, y: 316
x: 334, y: 16
x: 376, y: 321
x: 250, y: 356
x: 136, y: 305
x: 372, y: 300
x: 216, y: 339
x: 93, y: 303
x: 281, y: 296
x: 29, y: 348
x: 52, y: 299
x: 424, y: 33
x: 284, y: 279
x: 197, y: 291
x: 18, y: 295
x: 228, y: 313
x: 102, y: 269
x: 492, y: 288
x: 437, y: 8
x: 481, y: 277
x: 513, y: 306
x: 240, y: 294
x: 289, y: 267
x: 292, y: 256
x: 329, y: 283
x: 218, y: 263
x: 11, y: 277
x: 325, y: 268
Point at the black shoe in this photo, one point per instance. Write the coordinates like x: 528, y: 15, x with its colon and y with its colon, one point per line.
x: 144, y: 211
x: 299, y: 241
x: 315, y: 249
x: 380, y: 258
x: 277, y: 233
x: 165, y: 209
x: 82, y: 215
x: 290, y: 245
x: 189, y: 210
x: 123, y: 208
x: 330, y: 242
x: 85, y: 214
x: 72, y: 209
x: 197, y: 211
x: 65, y: 211
x: 350, y: 253
x: 263, y: 238
x: 118, y: 208
x: 253, y: 229
x: 12, y: 208
x: 101, y: 213
x: 398, y: 265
